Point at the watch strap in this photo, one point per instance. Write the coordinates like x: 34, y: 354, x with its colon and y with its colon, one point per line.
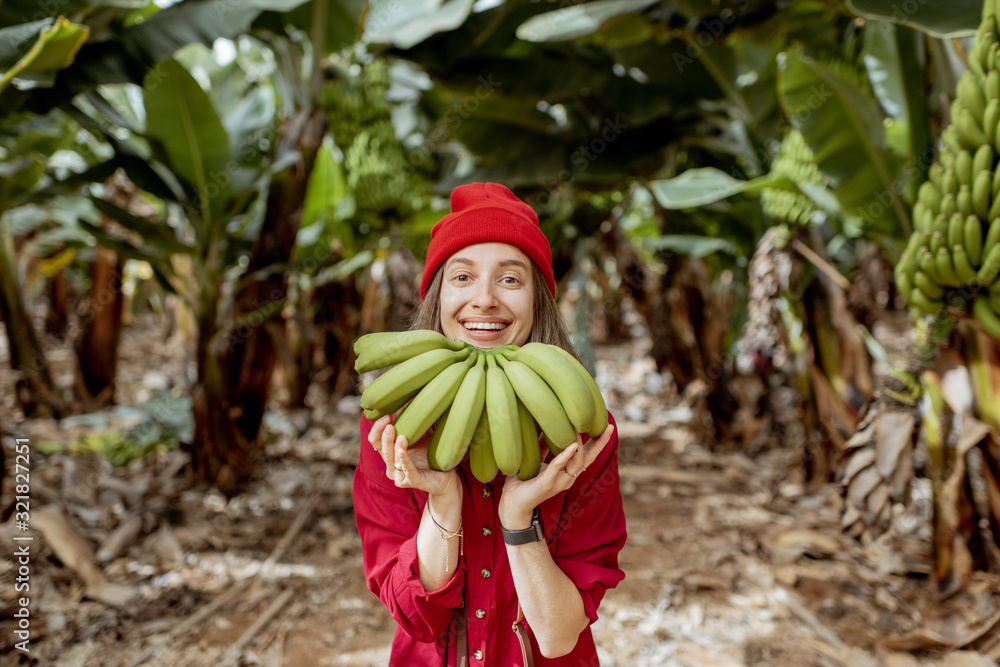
x: 532, y: 533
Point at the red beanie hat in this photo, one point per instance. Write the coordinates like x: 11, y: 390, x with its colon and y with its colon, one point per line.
x: 487, y: 213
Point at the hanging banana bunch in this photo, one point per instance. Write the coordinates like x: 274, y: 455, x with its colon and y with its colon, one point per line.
x: 381, y: 174
x: 796, y: 162
x: 491, y: 403
x: 954, y: 250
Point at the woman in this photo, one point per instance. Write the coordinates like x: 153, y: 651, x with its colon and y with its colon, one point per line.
x: 457, y: 561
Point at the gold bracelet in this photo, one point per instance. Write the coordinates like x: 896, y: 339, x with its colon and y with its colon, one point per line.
x: 447, y: 535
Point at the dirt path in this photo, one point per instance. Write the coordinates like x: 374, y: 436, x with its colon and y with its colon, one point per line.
x: 729, y: 562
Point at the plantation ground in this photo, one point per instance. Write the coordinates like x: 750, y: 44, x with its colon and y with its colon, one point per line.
x: 729, y: 560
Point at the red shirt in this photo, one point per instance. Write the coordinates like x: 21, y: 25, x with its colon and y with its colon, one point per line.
x: 584, y: 528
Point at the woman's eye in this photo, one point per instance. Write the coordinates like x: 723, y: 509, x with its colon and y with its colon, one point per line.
x: 510, y: 280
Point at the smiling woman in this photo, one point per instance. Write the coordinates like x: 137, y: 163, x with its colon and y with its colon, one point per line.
x: 543, y: 549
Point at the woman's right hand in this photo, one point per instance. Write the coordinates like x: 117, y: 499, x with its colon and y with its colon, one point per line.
x: 407, y: 466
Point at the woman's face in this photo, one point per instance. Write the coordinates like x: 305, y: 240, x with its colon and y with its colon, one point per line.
x: 487, y: 296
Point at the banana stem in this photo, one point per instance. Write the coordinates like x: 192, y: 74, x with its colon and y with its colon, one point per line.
x: 984, y: 364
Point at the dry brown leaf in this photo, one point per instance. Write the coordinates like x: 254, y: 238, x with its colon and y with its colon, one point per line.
x: 861, y: 485
x: 76, y: 554
x: 859, y: 459
x: 878, y: 503
x: 893, y: 437
x: 921, y: 639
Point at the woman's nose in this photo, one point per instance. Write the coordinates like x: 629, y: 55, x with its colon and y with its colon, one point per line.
x: 485, y: 296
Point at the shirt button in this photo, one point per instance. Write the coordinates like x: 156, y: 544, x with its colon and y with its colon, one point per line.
x: 485, y: 573
x: 485, y: 492
x: 480, y: 613
x: 486, y: 531
x: 478, y: 655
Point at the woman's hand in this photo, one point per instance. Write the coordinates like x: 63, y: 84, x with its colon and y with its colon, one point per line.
x: 521, y: 497
x: 407, y: 466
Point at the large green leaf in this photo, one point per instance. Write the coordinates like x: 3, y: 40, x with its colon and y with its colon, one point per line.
x: 129, y: 58
x: 409, y: 23
x: 181, y: 119
x: 157, y: 234
x: 55, y: 49
x: 941, y: 19
x: 842, y: 123
x: 576, y: 20
x: 341, y: 22
x: 706, y: 185
x: 693, y: 246
x: 16, y: 40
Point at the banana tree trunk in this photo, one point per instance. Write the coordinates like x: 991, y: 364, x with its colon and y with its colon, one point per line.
x: 235, y: 374
x: 35, y: 391
x: 101, y: 313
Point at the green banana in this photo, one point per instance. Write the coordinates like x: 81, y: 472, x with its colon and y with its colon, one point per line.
x: 392, y: 408
x: 982, y: 160
x: 948, y: 206
x: 935, y: 173
x: 564, y: 379
x: 963, y: 268
x: 972, y: 239
x: 903, y: 279
x: 463, y: 416
x: 542, y: 403
x: 956, y: 229
x: 992, y: 85
x: 963, y: 167
x: 505, y: 423
x: 922, y: 282
x: 970, y: 133
x: 945, y: 270
x: 972, y: 95
x: 481, y: 451
x: 923, y: 303
x: 378, y: 350
x: 986, y: 316
x: 950, y: 182
x: 939, y: 239
x: 926, y: 262
x: 531, y: 454
x: 432, y: 448
x: 981, y: 193
x: 408, y: 376
x: 991, y: 267
x: 950, y: 139
x: 964, y: 199
x: 431, y: 402
x: 992, y: 236
x: 600, y: 407
x: 990, y: 118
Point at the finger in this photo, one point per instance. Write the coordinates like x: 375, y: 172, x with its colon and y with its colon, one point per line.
x: 561, y: 466
x: 597, y: 446
x: 375, y: 434
x: 386, y: 450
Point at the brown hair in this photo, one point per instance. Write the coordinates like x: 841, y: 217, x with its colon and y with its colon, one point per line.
x: 548, y: 327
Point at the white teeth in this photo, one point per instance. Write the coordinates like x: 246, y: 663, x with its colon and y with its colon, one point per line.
x: 484, y: 326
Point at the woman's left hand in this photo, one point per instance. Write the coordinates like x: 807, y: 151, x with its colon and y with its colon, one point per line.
x: 521, y: 497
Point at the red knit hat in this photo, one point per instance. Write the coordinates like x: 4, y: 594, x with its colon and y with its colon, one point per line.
x: 487, y: 213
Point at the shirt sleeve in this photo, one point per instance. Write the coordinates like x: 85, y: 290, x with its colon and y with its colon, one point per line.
x: 586, y: 530
x: 388, y: 519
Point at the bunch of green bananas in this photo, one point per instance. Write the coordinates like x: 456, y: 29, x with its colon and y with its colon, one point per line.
x: 797, y: 163
x: 955, y: 246
x: 490, y: 403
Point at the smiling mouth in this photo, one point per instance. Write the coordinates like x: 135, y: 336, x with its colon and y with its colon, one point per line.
x: 484, y: 326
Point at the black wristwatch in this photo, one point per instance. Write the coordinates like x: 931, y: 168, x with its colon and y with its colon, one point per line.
x: 532, y: 533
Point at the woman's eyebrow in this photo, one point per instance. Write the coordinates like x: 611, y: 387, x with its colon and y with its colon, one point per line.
x: 503, y: 263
